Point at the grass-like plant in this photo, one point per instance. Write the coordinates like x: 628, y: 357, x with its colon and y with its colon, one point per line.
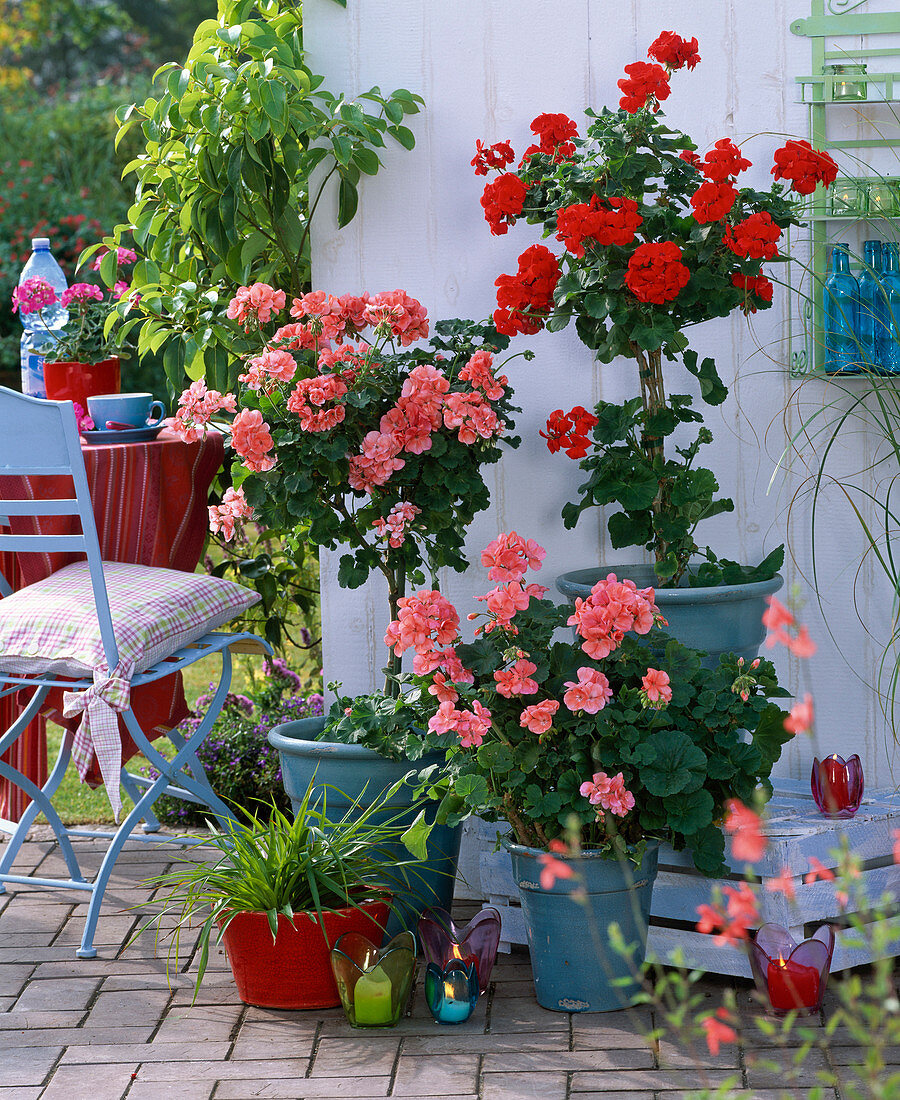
x: 310, y: 864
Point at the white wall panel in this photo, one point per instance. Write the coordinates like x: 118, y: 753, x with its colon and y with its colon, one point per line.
x: 485, y: 69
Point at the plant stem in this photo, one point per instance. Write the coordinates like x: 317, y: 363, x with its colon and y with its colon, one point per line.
x: 653, y: 398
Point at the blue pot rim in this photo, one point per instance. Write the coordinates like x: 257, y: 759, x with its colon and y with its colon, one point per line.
x: 285, y: 737
x: 592, y: 854
x: 577, y: 583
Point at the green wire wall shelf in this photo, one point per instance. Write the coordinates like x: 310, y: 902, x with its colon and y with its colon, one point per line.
x: 866, y: 199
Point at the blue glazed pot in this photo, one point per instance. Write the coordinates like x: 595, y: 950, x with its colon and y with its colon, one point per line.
x: 725, y: 618
x: 347, y: 770
x: 574, y: 965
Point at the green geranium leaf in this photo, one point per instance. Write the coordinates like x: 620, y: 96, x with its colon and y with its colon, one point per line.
x: 689, y: 813
x: 678, y: 764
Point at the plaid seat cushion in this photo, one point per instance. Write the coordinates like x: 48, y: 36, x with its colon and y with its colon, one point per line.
x: 50, y: 628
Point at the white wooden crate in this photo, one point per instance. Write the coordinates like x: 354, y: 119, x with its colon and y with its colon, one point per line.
x: 796, y: 831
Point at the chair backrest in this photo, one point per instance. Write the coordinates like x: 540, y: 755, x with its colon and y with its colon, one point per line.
x: 39, y: 437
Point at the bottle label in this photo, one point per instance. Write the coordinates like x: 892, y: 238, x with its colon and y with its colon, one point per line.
x: 33, y: 375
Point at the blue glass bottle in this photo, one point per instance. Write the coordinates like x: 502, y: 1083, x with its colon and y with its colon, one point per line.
x: 889, y: 352
x: 872, y: 308
x: 841, y: 302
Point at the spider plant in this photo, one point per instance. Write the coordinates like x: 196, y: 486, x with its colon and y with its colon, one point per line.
x: 275, y: 865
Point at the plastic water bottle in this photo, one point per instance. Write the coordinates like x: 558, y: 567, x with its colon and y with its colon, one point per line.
x: 41, y: 330
x: 841, y: 302
x: 872, y: 307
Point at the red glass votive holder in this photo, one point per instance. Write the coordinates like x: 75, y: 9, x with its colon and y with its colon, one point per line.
x: 791, y: 976
x: 837, y: 785
x: 442, y: 941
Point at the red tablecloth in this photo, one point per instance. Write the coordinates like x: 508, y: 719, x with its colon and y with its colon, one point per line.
x: 150, y: 502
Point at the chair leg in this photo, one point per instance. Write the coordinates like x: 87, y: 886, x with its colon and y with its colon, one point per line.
x: 151, y: 823
x: 40, y: 803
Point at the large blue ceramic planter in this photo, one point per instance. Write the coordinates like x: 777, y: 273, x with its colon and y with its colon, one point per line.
x: 354, y: 772
x: 575, y: 967
x: 726, y: 618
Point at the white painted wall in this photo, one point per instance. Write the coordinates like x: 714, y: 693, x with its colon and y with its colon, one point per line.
x: 485, y: 69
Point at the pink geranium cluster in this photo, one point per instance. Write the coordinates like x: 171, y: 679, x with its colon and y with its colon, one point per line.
x: 263, y: 371
x: 613, y: 608
x: 196, y: 407
x: 472, y: 416
x: 538, y: 718
x: 32, y: 296
x: 590, y: 693
x: 326, y: 317
x: 516, y: 680
x: 393, y: 528
x: 254, y: 305
x: 81, y: 293
x: 479, y: 373
x: 608, y: 793
x: 310, y: 397
x: 424, y: 622
x: 252, y: 440
x: 234, y: 508
x: 509, y: 556
x: 469, y: 725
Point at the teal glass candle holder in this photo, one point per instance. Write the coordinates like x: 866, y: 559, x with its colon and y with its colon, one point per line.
x: 373, y: 982
x: 451, y: 991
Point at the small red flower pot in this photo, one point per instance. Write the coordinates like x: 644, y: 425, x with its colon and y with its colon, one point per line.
x: 69, y: 381
x: 294, y: 970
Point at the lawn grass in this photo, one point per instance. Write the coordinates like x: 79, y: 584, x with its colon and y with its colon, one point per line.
x: 78, y: 804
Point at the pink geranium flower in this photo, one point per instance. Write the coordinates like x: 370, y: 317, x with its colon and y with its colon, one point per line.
x: 233, y: 509
x: 538, y: 718
x: 608, y: 793
x: 655, y: 690
x: 252, y: 441
x: 590, y: 693
x: 802, y: 716
x: 254, y: 305
x: 517, y: 679
x: 32, y: 296
x: 748, y: 842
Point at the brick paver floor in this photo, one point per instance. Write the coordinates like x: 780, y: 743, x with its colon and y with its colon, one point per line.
x: 122, y: 1026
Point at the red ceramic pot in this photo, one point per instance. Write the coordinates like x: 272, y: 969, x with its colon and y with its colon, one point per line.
x: 294, y: 970
x: 67, y: 381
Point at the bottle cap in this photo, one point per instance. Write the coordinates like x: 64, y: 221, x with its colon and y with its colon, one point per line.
x: 40, y: 242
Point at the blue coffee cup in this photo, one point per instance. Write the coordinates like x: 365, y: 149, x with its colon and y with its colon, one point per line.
x: 125, y: 410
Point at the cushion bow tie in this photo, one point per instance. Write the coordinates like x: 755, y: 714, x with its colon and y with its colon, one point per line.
x: 99, y: 730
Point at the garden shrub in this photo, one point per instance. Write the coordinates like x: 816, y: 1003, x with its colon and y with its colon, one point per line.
x: 242, y: 766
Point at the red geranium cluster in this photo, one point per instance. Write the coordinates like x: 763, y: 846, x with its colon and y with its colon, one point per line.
x: 756, y: 237
x: 655, y: 272
x: 612, y: 609
x: 610, y: 221
x: 525, y: 299
x: 723, y: 162
x: 804, y: 166
x: 568, y: 431
x: 757, y: 285
x: 503, y: 199
x: 554, y: 133
x: 712, y: 201
x: 644, y: 86
x: 497, y: 155
x: 674, y: 52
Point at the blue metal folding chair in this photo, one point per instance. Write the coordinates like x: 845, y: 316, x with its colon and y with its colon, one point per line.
x: 41, y: 438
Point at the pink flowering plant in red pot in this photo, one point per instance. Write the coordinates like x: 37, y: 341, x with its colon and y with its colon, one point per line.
x: 348, y: 429
x: 602, y: 741
x: 652, y: 238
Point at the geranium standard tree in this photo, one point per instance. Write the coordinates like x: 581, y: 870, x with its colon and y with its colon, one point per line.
x: 655, y: 238
x: 345, y: 434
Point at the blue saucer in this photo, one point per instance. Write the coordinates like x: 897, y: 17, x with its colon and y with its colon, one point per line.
x: 122, y: 435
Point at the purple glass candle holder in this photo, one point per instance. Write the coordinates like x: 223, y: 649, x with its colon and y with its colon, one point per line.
x: 442, y: 941
x: 837, y: 785
x: 792, y: 976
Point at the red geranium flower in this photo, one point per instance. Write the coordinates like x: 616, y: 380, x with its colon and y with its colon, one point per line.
x: 503, y: 200
x: 656, y: 273
x: 497, y: 155
x: 525, y: 299
x: 755, y: 238
x: 723, y: 161
x: 674, y: 51
x: 691, y: 157
x: 643, y: 83
x: 554, y: 132
x: 804, y: 166
x: 568, y: 431
x: 757, y: 285
x: 712, y: 201
x: 591, y: 221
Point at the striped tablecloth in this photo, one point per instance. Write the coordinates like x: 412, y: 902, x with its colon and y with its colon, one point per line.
x: 150, y: 502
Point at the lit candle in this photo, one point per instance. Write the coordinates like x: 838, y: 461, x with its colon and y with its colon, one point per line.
x: 372, y: 1003
x: 451, y: 994
x: 792, y: 985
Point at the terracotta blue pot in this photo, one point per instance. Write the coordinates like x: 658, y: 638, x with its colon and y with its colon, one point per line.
x: 354, y: 772
x: 574, y: 965
x: 724, y: 618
